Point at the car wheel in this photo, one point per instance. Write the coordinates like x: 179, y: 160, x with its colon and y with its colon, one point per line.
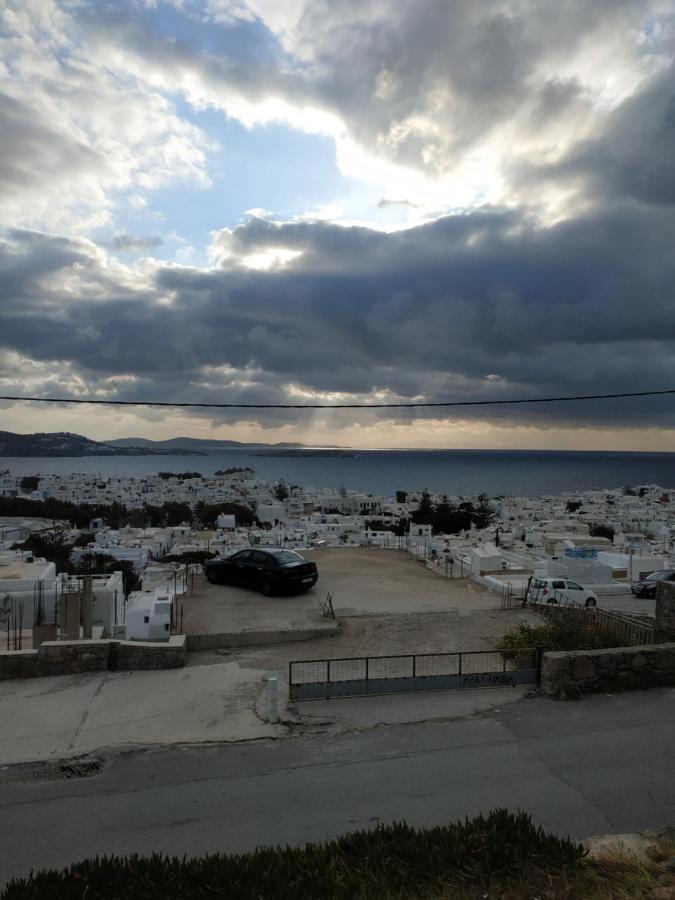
x: 266, y: 586
x: 591, y: 602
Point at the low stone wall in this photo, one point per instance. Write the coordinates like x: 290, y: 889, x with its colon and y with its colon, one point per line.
x: 133, y: 655
x: 259, y: 638
x: 664, y: 611
x: 74, y: 657
x: 620, y: 668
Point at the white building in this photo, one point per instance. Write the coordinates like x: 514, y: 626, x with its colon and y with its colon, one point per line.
x: 148, y: 616
x: 26, y: 582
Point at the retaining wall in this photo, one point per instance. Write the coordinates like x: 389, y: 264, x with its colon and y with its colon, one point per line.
x: 74, y: 657
x: 619, y: 668
x: 258, y: 638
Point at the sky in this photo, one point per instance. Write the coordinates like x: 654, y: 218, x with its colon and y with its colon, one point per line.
x: 340, y: 201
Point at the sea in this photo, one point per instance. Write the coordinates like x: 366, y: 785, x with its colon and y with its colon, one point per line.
x: 524, y: 473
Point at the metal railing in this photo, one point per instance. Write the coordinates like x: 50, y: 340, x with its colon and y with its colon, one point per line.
x: 627, y: 631
x: 351, y: 676
x: 512, y: 598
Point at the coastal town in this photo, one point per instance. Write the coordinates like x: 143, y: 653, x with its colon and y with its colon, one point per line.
x: 153, y: 533
x: 118, y: 638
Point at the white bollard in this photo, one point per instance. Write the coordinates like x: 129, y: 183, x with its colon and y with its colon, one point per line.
x: 272, y: 700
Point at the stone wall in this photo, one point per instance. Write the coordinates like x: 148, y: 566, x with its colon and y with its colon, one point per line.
x: 74, y: 657
x: 664, y: 612
x: 133, y: 655
x: 619, y: 668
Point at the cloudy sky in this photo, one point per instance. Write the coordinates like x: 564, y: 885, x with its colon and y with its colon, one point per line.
x: 340, y: 201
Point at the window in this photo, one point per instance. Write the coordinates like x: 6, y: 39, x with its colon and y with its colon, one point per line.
x: 242, y: 557
x: 258, y: 558
x: 574, y: 586
x: 288, y: 556
x: 559, y: 585
x: 146, y: 620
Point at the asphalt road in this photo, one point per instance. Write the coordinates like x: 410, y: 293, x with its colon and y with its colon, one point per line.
x: 601, y: 765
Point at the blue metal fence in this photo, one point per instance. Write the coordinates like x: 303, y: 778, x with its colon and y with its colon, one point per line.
x: 364, y: 675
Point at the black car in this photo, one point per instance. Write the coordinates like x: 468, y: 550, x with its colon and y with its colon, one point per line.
x: 647, y: 587
x: 270, y: 570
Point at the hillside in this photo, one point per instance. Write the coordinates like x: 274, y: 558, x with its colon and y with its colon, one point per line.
x: 65, y: 443
x: 201, y: 444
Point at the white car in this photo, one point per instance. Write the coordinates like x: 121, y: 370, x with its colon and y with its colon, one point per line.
x: 553, y: 590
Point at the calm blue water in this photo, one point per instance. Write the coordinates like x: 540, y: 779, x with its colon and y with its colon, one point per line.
x: 495, y: 472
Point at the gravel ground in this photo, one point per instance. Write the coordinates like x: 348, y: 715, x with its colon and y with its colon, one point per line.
x: 381, y: 635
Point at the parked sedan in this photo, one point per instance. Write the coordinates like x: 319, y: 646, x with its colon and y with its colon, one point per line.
x: 270, y: 570
x: 647, y: 587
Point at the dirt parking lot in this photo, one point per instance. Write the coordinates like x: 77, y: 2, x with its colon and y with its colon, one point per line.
x: 380, y: 583
x: 375, y: 582
x: 384, y: 601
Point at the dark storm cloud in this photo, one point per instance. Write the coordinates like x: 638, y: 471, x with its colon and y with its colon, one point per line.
x: 634, y: 157
x: 585, y: 306
x: 420, y: 83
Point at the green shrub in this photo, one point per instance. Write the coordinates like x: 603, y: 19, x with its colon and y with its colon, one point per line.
x: 392, y: 861
x: 557, y: 635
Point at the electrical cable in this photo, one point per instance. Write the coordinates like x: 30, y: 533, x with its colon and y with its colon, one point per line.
x: 417, y: 405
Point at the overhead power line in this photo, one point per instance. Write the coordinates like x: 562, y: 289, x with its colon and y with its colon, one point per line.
x: 418, y: 405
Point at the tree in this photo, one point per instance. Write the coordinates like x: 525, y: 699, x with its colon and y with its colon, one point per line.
x: 281, y: 491
x: 573, y: 505
x: 52, y: 548
x: 484, y: 514
x: 629, y: 491
x: 171, y: 513
x: 599, y: 529
x: 424, y: 514
x: 104, y: 564
x: 207, y: 513
x: 29, y: 483
x: 443, y: 516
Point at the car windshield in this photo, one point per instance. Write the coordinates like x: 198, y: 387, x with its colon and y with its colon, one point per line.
x: 287, y: 556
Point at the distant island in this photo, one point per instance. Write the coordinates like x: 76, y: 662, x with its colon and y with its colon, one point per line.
x: 202, y: 445
x: 65, y: 443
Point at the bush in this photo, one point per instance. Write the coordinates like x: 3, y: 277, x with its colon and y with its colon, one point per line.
x: 392, y: 861
x: 557, y: 635
x: 599, y: 529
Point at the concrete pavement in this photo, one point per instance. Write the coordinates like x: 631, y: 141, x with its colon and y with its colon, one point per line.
x: 46, y: 719
x: 53, y: 718
x: 600, y: 766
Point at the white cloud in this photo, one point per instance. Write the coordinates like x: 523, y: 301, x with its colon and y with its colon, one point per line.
x: 76, y: 134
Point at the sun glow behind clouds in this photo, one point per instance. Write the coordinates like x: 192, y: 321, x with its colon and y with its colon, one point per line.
x: 270, y: 258
x: 148, y: 129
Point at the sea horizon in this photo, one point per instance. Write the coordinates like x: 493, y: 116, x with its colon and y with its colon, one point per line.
x: 455, y: 472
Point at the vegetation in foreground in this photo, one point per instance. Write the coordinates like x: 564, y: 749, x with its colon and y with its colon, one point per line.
x: 501, y: 856
x: 557, y: 635
x: 486, y: 854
